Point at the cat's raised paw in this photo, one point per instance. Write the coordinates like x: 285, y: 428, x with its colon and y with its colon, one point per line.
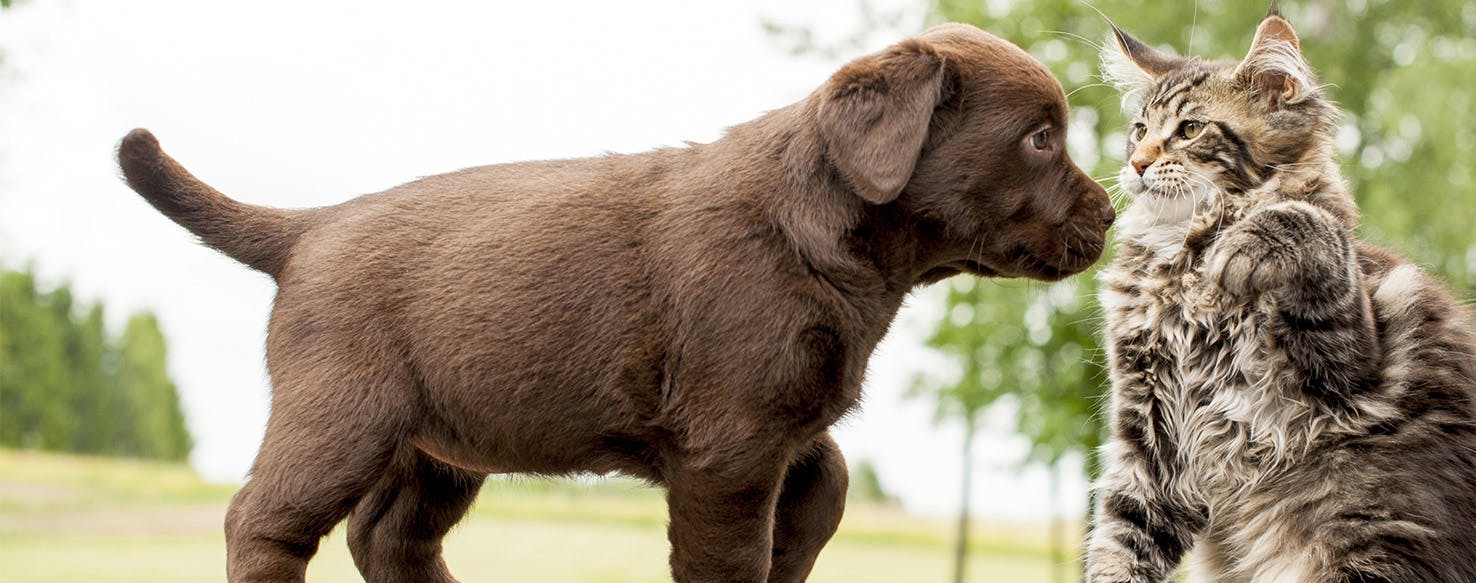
x: 1244, y: 264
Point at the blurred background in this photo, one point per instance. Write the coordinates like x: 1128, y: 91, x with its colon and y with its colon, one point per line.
x: 132, y: 387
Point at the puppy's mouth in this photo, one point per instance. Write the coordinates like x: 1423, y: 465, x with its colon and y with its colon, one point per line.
x: 1023, y: 265
x: 972, y: 267
x: 1064, y: 262
x: 1038, y: 268
x: 1051, y: 260
x: 953, y: 268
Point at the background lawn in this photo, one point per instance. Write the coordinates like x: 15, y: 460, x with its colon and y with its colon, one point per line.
x: 69, y: 518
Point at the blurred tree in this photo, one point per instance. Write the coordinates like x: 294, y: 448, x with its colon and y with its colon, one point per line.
x: 33, y: 374
x: 150, y: 398
x: 866, y: 484
x: 65, y: 386
x: 90, y: 396
x: 1029, y: 345
x: 976, y: 381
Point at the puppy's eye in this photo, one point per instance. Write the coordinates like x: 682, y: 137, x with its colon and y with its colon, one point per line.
x: 1191, y: 129
x: 1138, y: 133
x: 1040, y: 140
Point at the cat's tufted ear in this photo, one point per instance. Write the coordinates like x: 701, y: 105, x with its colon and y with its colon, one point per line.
x: 1133, y: 66
x: 874, y: 115
x: 1274, y: 68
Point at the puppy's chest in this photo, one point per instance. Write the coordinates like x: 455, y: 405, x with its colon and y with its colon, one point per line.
x: 1187, y: 360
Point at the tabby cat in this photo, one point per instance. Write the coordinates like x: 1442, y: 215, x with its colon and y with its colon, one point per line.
x: 1291, y: 403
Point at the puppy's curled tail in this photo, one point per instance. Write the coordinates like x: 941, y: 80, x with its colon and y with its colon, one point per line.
x: 260, y: 237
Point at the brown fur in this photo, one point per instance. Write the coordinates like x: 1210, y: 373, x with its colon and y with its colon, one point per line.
x: 696, y: 317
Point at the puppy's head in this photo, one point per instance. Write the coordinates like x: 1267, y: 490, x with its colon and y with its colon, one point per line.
x: 967, y: 132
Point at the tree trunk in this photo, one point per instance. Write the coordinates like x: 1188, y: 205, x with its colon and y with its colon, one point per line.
x: 961, y: 548
x: 1058, y: 527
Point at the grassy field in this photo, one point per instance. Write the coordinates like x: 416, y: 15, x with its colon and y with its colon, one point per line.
x: 65, y: 518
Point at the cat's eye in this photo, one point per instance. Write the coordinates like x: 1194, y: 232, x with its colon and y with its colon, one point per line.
x: 1191, y: 129
x: 1138, y: 132
x: 1039, y: 140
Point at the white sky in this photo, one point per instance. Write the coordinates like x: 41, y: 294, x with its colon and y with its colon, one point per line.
x: 297, y: 104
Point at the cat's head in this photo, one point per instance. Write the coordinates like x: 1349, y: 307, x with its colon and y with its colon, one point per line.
x: 1204, y: 132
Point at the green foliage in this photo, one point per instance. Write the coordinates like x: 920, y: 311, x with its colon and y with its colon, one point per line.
x: 1030, y: 344
x: 66, y: 386
x: 1399, y: 69
x: 866, y: 484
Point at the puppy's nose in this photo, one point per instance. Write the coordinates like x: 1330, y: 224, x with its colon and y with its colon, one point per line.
x: 1109, y: 214
x: 1141, y: 165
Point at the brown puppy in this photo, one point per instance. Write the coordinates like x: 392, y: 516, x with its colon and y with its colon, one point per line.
x: 696, y: 317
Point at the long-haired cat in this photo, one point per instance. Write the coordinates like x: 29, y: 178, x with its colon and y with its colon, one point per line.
x: 1289, y: 402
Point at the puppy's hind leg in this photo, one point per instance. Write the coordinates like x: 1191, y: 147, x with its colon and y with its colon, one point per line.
x: 810, y: 506
x: 395, y: 533
x: 332, y: 432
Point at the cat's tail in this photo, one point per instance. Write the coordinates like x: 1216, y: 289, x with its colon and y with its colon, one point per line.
x: 259, y: 237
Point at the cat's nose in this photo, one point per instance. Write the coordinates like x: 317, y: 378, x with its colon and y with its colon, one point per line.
x: 1141, y: 164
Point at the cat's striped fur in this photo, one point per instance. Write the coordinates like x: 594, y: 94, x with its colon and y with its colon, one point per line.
x: 1292, y: 404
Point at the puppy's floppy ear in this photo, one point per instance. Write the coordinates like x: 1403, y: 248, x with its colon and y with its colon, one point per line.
x: 874, y: 116
x: 1274, y: 68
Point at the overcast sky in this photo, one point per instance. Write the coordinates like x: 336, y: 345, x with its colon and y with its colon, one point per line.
x: 297, y: 104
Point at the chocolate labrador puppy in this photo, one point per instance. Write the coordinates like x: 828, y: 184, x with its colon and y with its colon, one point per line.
x: 696, y: 317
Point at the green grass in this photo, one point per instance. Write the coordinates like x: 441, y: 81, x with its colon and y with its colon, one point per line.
x: 69, y: 518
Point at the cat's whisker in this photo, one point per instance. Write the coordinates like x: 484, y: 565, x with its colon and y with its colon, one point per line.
x: 1218, y: 201
x: 977, y: 242
x: 1193, y: 26
x: 1096, y: 47
x: 1087, y: 86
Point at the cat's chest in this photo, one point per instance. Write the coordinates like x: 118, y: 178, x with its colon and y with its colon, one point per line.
x: 1186, y: 358
x: 1175, y: 313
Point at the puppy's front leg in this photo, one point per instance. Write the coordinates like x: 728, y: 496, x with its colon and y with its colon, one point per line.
x: 809, y: 510
x: 722, y: 516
